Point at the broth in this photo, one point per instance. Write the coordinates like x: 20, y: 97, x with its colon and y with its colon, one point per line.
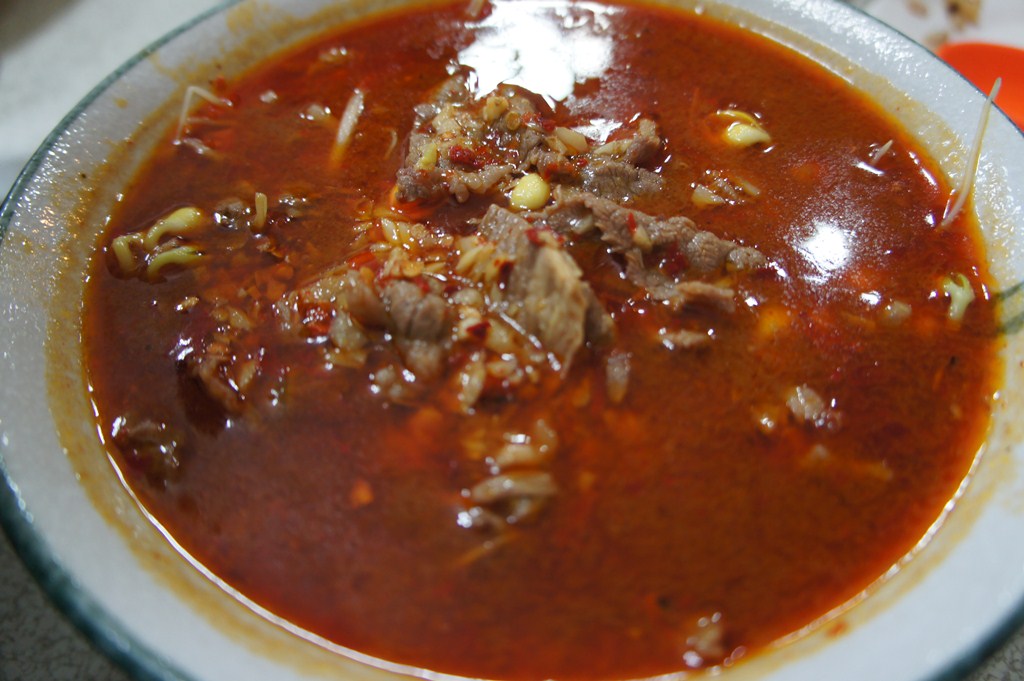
x: 455, y: 420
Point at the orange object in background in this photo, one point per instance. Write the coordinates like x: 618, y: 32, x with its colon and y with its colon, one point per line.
x: 982, y: 63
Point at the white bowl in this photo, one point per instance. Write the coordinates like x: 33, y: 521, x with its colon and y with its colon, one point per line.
x: 124, y: 583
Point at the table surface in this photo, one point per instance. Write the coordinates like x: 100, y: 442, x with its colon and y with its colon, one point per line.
x: 51, y: 55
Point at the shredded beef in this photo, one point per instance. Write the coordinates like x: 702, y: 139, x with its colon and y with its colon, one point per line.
x: 513, y: 297
x: 416, y: 318
x: 419, y: 320
x: 461, y: 146
x: 211, y: 365
x: 152, y: 447
x: 613, y: 170
x: 415, y: 313
x: 545, y: 292
x: 618, y: 180
x: 641, y: 238
x: 223, y: 361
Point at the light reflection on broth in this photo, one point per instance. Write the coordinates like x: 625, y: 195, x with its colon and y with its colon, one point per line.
x: 548, y: 50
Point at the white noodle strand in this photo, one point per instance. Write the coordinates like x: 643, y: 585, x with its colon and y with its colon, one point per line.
x: 191, y: 92
x: 347, y: 125
x: 966, y: 186
x: 879, y: 153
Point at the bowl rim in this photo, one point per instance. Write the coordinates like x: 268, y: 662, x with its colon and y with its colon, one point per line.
x: 112, y: 637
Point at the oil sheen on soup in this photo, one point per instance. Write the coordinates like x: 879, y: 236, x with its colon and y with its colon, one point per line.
x: 530, y: 340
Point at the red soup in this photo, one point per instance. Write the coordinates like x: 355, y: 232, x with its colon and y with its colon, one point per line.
x: 541, y: 339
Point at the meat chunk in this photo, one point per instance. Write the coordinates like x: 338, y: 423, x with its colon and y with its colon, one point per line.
x: 338, y: 289
x: 504, y: 304
x: 646, y: 241
x: 635, y: 148
x: 625, y: 230
x: 618, y: 181
x: 462, y: 146
x: 220, y: 372
x: 613, y: 170
x: 152, y: 447
x: 419, y: 321
x: 344, y: 307
x: 217, y: 354
x: 414, y: 313
x: 545, y: 292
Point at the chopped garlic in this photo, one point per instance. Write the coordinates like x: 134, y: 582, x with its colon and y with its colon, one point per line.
x: 317, y: 113
x: 702, y: 197
x: 614, y: 148
x: 719, y: 189
x: 743, y: 135
x: 556, y: 145
x: 617, y: 371
x: 574, y: 140
x: 513, y: 119
x: 642, y: 240
x: 736, y: 116
x: 744, y: 130
x: 895, y: 313
x: 428, y: 159
x: 747, y: 187
x: 530, y: 193
x: 390, y: 229
x: 806, y: 405
x: 495, y: 106
x: 259, y: 221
